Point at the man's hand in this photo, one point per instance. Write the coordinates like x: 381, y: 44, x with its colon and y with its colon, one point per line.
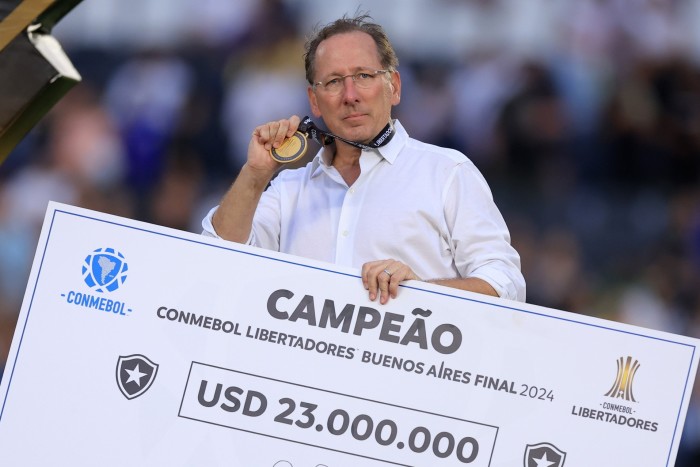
x: 384, y: 277
x: 265, y: 137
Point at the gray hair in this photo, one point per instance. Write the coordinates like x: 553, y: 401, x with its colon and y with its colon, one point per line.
x: 387, y: 55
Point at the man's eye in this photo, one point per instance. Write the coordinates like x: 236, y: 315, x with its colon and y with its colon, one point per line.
x: 332, y: 82
x: 363, y: 76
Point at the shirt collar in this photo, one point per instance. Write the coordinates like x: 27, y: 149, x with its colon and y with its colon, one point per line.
x: 389, y: 152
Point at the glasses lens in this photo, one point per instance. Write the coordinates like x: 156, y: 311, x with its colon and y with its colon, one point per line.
x: 363, y: 80
x: 333, y: 86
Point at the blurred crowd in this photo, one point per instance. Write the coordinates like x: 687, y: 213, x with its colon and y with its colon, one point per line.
x: 585, y: 122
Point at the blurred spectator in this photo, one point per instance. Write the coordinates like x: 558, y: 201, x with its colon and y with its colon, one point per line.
x: 427, y: 109
x: 266, y: 83
x: 146, y: 97
x: 478, y: 88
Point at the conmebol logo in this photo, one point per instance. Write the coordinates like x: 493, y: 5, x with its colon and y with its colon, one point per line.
x: 105, y: 270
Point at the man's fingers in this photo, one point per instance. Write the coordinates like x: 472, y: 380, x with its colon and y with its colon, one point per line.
x: 369, y: 280
x: 383, y: 280
x: 280, y: 133
x: 273, y: 134
x: 294, y: 122
x: 396, y: 279
x: 370, y: 277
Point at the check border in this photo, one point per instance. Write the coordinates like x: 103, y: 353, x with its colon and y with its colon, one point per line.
x: 57, y: 210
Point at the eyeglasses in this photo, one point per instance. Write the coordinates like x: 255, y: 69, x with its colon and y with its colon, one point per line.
x: 363, y: 79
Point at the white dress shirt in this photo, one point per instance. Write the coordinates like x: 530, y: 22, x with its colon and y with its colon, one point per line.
x: 423, y: 205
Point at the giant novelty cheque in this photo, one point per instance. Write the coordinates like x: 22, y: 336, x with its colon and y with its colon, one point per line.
x: 145, y: 346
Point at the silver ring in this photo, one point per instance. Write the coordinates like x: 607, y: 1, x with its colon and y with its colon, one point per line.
x: 387, y: 272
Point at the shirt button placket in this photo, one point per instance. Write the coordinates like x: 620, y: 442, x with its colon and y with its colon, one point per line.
x: 348, y: 213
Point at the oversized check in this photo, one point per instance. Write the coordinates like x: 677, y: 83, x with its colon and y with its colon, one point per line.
x: 138, y: 345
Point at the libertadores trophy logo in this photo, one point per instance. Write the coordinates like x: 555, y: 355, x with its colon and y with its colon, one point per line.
x: 544, y: 455
x: 622, y: 387
x: 135, y: 375
x: 105, y: 270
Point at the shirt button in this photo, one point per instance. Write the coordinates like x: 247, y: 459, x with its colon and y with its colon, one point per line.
x: 352, y: 191
x: 345, y: 233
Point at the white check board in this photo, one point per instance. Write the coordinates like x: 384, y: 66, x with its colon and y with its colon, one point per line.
x: 141, y: 345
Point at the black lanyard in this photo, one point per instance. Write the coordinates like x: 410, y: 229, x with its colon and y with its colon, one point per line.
x: 324, y: 138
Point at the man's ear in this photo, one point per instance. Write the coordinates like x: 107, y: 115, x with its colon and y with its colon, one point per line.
x: 313, y: 103
x: 395, y: 85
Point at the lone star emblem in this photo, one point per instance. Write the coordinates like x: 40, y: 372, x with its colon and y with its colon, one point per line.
x: 135, y: 375
x: 544, y: 455
x: 543, y: 461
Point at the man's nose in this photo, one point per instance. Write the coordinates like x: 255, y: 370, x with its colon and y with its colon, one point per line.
x: 349, y: 89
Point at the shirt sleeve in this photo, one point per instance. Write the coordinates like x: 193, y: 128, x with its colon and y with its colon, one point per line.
x: 479, y: 237
x: 208, y: 229
x: 207, y: 224
x: 265, y: 232
x: 267, y: 222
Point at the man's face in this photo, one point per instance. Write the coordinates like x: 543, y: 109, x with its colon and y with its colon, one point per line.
x: 354, y: 113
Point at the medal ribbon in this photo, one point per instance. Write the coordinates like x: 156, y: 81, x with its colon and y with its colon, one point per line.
x: 324, y: 138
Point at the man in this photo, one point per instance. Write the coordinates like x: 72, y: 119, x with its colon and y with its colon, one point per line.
x: 398, y: 208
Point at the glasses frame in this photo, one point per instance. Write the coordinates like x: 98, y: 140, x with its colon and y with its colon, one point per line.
x: 354, y: 76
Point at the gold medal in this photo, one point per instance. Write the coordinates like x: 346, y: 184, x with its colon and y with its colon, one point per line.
x: 291, y: 149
